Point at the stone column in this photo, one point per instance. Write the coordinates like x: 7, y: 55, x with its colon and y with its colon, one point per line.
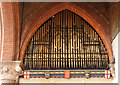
x: 9, y: 71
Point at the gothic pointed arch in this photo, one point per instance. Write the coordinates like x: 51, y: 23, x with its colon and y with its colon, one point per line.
x: 81, y: 12
x: 66, y: 41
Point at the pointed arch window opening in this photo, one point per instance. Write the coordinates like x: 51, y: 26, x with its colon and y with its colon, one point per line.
x: 66, y: 41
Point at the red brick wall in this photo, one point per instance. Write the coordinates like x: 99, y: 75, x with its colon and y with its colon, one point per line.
x: 10, y: 30
x: 113, y: 12
x: 18, y: 18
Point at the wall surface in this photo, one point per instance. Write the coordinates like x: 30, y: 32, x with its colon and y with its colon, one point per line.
x: 10, y: 21
x: 113, y: 14
x: 8, y: 31
x: 115, y: 47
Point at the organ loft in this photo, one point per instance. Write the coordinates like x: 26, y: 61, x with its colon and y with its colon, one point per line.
x: 41, y: 42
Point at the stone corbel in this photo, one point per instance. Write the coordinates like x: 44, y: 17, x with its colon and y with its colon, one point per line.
x: 10, y: 71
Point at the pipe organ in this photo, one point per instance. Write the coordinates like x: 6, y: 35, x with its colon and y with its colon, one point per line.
x: 66, y: 41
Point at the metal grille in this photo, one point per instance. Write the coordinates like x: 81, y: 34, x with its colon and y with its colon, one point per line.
x: 66, y: 41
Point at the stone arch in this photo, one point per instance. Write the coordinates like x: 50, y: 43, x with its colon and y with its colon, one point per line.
x: 99, y: 27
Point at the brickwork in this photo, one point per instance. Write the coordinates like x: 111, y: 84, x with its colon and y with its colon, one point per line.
x: 113, y: 13
x: 10, y: 30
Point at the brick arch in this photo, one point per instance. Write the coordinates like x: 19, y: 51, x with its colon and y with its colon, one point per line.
x: 91, y: 19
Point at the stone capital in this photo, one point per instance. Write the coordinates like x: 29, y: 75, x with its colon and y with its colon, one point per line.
x: 10, y: 70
